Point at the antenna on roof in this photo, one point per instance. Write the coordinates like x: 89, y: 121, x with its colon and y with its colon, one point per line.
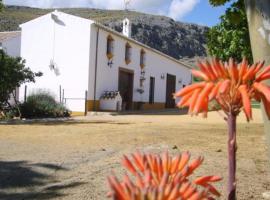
x: 126, y: 2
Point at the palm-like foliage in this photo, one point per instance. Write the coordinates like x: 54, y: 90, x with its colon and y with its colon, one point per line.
x: 232, y: 85
x: 162, y: 178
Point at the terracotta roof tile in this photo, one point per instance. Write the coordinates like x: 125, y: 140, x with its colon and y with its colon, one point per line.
x: 8, y: 35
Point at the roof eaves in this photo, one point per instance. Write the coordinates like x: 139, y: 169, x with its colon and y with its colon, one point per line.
x: 9, y: 35
x: 140, y: 44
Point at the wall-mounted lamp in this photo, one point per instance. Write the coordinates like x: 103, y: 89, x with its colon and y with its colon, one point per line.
x: 110, y: 63
x: 142, y: 78
x: 53, y: 67
x: 142, y: 72
x: 162, y: 76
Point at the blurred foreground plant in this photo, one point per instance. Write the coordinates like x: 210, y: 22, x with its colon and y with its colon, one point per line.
x: 162, y: 178
x: 232, y: 85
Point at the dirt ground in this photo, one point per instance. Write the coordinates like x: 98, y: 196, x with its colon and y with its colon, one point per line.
x: 70, y: 160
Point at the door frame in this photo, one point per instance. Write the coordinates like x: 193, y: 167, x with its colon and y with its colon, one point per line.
x: 167, y: 103
x: 131, y: 72
x: 152, y: 90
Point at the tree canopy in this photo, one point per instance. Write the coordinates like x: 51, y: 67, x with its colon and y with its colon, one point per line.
x: 13, y: 73
x: 218, y: 2
x: 1, y: 5
x: 230, y: 38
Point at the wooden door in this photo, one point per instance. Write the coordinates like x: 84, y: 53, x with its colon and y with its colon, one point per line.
x: 125, y: 87
x: 152, y: 91
x: 170, y: 89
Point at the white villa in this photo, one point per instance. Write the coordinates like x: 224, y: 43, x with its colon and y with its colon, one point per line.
x: 81, y: 60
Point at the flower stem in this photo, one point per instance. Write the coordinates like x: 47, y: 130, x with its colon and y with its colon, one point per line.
x: 232, y: 156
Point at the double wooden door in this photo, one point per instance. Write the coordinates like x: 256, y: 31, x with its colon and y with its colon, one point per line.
x: 125, y: 87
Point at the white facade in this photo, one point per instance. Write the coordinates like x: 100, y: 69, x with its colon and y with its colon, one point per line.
x: 65, y: 42
x: 156, y: 66
x: 78, y: 48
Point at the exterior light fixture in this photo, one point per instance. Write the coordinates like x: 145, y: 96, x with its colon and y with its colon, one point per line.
x: 110, y: 63
x: 162, y: 76
x: 142, y: 72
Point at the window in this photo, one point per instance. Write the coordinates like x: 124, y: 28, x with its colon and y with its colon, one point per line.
x: 142, y: 59
x: 152, y: 91
x: 110, y: 46
x: 128, y: 53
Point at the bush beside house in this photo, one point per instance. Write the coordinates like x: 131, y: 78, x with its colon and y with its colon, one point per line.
x: 13, y: 74
x: 42, y: 104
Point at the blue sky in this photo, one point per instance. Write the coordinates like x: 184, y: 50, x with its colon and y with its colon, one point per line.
x: 195, y: 11
x: 204, y: 14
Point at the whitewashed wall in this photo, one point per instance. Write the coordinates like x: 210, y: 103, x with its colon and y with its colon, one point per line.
x: 72, y: 43
x: 71, y: 52
x: 12, y: 46
x: 156, y: 65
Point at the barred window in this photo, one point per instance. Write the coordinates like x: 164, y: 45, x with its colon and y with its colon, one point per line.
x: 142, y: 58
x: 110, y: 47
x: 128, y: 53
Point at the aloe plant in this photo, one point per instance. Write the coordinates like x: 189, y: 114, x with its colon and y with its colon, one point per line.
x: 232, y: 85
x: 162, y: 178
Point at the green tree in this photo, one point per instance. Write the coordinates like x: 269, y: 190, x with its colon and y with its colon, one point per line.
x: 258, y: 15
x: 1, y: 5
x: 218, y: 2
x: 13, y: 73
x: 230, y: 38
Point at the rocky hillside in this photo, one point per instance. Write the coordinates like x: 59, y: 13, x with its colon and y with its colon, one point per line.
x: 174, y: 38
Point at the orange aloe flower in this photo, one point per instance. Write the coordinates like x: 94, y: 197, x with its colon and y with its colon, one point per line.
x: 232, y: 85
x: 162, y: 178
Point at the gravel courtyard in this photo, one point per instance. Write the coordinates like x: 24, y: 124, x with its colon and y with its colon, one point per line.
x: 70, y: 160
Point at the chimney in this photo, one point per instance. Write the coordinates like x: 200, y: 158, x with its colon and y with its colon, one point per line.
x: 126, y: 27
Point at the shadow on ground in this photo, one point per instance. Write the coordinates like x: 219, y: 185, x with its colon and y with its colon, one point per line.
x: 68, y: 122
x: 89, y: 120
x: 22, y: 180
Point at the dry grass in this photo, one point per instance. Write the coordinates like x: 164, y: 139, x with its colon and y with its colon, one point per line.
x: 71, y: 160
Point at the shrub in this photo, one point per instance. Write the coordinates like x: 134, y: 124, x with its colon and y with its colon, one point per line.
x: 42, y: 104
x: 9, y: 113
x: 162, y: 177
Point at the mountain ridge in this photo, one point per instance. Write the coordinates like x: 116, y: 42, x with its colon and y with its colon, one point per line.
x: 176, y: 39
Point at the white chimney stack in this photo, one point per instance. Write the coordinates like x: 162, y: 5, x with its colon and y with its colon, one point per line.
x: 126, y: 27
